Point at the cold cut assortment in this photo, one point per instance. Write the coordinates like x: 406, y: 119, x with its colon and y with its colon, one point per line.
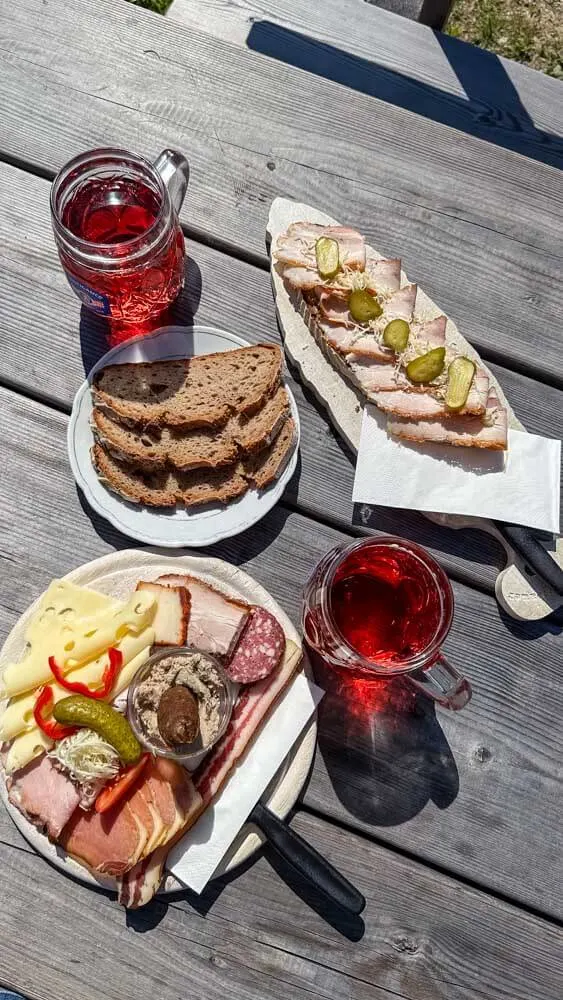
x: 112, y: 696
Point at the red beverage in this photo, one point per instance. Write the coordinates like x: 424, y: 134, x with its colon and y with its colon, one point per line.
x: 111, y: 211
x: 382, y: 607
x: 118, y: 236
x: 385, y: 604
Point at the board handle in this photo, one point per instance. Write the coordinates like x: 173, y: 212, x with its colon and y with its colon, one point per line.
x: 296, y: 852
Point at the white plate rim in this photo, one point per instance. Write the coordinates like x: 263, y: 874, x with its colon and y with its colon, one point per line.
x: 107, y: 504
x: 282, y: 792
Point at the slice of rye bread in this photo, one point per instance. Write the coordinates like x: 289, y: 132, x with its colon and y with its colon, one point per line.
x: 203, y: 391
x: 157, y: 448
x: 167, y: 488
x: 267, y: 465
x: 252, y: 433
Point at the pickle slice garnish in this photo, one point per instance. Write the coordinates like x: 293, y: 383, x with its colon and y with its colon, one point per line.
x: 363, y: 306
x: 460, y: 377
x: 328, y: 257
x: 428, y: 366
x: 396, y: 335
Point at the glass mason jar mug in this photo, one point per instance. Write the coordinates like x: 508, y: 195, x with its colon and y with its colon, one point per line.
x: 381, y: 607
x: 115, y: 221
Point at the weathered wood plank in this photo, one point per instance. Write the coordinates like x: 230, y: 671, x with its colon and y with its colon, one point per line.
x: 426, y: 193
x: 479, y: 789
x: 423, y: 937
x: 498, y: 92
x: 48, y: 358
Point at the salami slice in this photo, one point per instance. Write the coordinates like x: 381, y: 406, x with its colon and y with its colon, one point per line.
x: 259, y: 650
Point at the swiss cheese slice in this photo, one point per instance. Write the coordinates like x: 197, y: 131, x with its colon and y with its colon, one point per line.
x: 135, y: 649
x: 75, y: 625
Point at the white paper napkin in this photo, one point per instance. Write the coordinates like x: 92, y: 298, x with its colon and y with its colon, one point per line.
x: 521, y: 485
x: 194, y: 860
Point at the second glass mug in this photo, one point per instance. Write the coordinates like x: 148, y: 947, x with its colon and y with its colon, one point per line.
x: 427, y: 668
x: 116, y: 227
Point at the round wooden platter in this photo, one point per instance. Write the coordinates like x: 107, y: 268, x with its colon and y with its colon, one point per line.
x: 117, y: 575
x: 522, y: 594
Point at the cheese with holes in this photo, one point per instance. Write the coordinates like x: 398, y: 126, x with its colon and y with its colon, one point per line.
x: 135, y: 649
x: 75, y: 625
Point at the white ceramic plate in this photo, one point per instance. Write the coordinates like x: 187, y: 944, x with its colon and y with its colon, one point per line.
x: 176, y: 527
x: 117, y: 574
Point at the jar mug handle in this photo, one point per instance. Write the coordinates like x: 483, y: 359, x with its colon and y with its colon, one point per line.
x: 442, y: 682
x: 175, y: 172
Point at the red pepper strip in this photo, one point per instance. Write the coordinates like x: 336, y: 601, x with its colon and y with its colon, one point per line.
x: 108, y: 679
x: 43, y: 704
x: 121, y: 784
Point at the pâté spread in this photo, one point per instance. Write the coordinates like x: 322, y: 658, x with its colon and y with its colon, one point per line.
x: 179, y: 699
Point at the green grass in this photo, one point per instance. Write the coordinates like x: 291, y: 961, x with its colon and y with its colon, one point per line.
x: 159, y: 6
x: 529, y: 31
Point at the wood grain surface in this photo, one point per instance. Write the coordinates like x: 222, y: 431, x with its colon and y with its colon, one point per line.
x: 449, y: 824
x: 479, y: 789
x: 47, y: 346
x: 444, y: 63
x: 423, y: 936
x: 435, y: 199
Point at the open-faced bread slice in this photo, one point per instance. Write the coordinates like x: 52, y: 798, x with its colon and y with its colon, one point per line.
x: 326, y: 365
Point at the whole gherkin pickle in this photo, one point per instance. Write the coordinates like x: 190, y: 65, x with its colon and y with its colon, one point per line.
x: 460, y: 377
x: 396, y: 335
x: 78, y: 710
x: 428, y: 366
x: 363, y: 306
x: 328, y: 257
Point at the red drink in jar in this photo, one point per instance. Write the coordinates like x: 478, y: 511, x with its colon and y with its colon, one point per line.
x: 382, y: 607
x: 118, y: 235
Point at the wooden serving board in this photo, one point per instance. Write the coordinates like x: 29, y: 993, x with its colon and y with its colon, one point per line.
x: 519, y: 590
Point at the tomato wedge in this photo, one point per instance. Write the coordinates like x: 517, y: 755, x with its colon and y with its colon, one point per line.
x: 121, y: 784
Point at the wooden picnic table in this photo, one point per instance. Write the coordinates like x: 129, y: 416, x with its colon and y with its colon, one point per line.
x: 442, y: 154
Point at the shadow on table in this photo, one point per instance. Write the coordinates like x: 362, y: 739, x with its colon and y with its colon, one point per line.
x: 239, y: 550
x: 492, y: 109
x: 384, y: 750
x: 95, y: 332
x: 147, y: 918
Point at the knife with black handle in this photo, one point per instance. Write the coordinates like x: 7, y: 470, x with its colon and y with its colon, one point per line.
x: 306, y: 860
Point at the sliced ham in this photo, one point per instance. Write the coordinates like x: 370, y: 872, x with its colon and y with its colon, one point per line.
x: 383, y: 275
x: 400, y: 305
x: 374, y: 377
x: 138, y: 885
x: 338, y: 337
x: 469, y: 432
x: 297, y: 245
x: 303, y: 279
x: 46, y: 796
x: 433, y: 331
x: 409, y: 401
x: 334, y: 309
x: 216, y: 621
x: 370, y: 348
x: 106, y: 843
x: 113, y: 842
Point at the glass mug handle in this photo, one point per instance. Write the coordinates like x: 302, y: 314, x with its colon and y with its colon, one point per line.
x: 443, y: 683
x: 175, y: 172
